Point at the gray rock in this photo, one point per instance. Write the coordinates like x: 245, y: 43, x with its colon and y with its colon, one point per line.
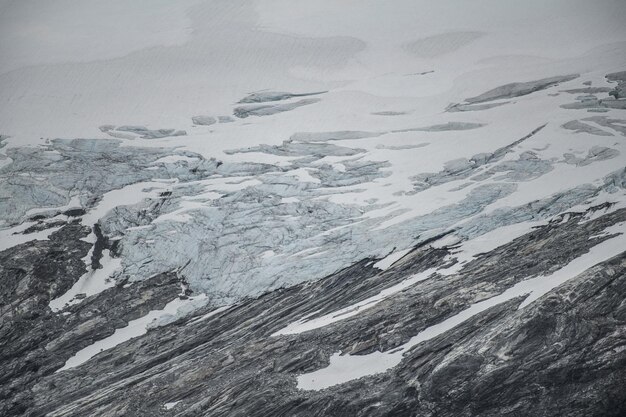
x: 534, y: 360
x: 520, y: 89
x: 139, y: 131
x: 389, y: 113
x: 402, y: 147
x: 581, y: 127
x: 617, y: 125
x: 225, y: 119
x: 616, y: 76
x: 596, y: 153
x: 445, y: 127
x: 588, y: 90
x: 290, y: 148
x: 524, y: 169
x: 473, y: 107
x: 267, y: 96
x: 329, y: 136
x: 617, y: 103
x: 203, y: 120
x: 267, y: 110
x: 78, y: 166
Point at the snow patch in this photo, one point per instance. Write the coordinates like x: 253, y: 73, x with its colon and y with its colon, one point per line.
x: 344, y: 368
x: 135, y: 328
x: 390, y: 259
x: 91, y: 283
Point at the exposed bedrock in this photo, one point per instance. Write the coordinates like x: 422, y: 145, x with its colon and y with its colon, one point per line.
x: 562, y: 354
x: 520, y: 89
x: 266, y: 96
x: 611, y: 98
x: 131, y: 132
x: 290, y: 148
x: 528, y: 166
x: 204, y: 120
x: 615, y: 97
x: 270, y: 109
x: 583, y: 126
x: 36, y: 341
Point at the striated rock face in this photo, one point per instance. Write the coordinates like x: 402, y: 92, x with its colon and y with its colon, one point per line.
x: 561, y: 355
x: 36, y: 341
x: 269, y: 109
x: 266, y: 96
x: 520, y: 89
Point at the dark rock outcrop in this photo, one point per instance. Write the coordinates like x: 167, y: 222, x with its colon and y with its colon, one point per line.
x: 562, y: 355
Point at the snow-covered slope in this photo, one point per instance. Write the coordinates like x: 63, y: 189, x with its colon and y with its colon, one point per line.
x: 308, y: 194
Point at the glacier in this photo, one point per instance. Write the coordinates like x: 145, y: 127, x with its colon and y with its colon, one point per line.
x: 276, y: 208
